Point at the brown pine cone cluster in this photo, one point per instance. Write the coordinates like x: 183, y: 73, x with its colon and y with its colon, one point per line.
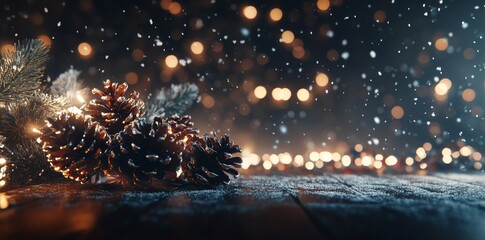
x: 112, y: 139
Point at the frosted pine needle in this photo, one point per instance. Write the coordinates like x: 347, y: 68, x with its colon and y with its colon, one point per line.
x: 174, y: 100
x: 21, y: 70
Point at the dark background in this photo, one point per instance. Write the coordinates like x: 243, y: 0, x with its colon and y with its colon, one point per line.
x: 240, y: 54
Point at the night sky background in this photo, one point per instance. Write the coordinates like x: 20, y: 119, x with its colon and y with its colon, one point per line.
x: 378, y: 56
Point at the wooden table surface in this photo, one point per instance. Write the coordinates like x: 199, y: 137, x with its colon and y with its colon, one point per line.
x: 330, y: 206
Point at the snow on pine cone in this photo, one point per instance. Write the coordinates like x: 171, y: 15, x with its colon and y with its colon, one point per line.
x: 75, y: 146
x: 145, y: 152
x: 112, y: 109
x: 209, y: 161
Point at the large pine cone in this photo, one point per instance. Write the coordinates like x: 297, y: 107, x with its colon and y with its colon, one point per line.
x: 112, y: 109
x: 75, y: 146
x: 209, y: 160
x: 144, y: 152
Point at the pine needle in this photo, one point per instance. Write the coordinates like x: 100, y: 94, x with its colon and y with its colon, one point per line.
x: 69, y: 86
x: 174, y: 100
x: 21, y: 70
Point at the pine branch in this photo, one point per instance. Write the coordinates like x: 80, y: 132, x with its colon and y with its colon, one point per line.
x: 25, y: 167
x: 17, y: 120
x: 27, y: 163
x: 69, y: 86
x: 52, y: 104
x: 174, y: 100
x: 21, y: 70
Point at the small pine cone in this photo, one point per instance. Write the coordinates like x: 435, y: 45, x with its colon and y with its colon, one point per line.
x: 209, y: 160
x: 112, y: 109
x: 144, y: 152
x: 75, y: 146
x: 181, y: 127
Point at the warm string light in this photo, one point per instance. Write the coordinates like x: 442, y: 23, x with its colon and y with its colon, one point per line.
x: 3, y: 169
x: 3, y: 200
x: 75, y: 110
x: 361, y: 160
x: 36, y: 131
x: 80, y: 98
x: 3, y: 172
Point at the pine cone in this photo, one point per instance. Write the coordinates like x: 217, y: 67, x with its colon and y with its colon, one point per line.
x: 209, y: 160
x: 143, y: 152
x: 75, y: 146
x: 112, y: 109
x: 181, y: 127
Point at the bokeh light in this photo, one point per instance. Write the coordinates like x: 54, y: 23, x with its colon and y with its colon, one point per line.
x: 321, y: 79
x: 275, y: 14
x: 7, y: 47
x: 197, y: 47
x: 171, y: 61
x: 468, y: 95
x: 391, y: 161
x: 260, y: 92
x: 287, y: 37
x: 131, y: 78
x: 358, y: 147
x: 174, y: 8
x: 45, y: 39
x: 441, y: 89
x: 323, y: 5
x: 303, y: 94
x: 208, y: 101
x: 281, y: 94
x: 84, y: 49
x: 380, y: 16
x: 397, y: 112
x: 250, y: 12
x: 441, y: 44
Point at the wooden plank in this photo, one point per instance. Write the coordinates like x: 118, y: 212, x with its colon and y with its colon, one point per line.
x: 397, y: 207
x: 249, y: 208
x: 445, y: 206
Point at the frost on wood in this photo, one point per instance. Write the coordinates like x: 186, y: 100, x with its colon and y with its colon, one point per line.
x: 174, y: 100
x: 21, y: 70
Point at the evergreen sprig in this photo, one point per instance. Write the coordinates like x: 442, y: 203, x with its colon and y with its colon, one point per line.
x: 172, y: 101
x: 69, y: 86
x: 27, y: 163
x: 21, y: 70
